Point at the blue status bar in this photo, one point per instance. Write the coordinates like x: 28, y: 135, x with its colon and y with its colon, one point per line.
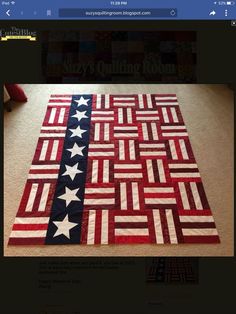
x: 118, y: 10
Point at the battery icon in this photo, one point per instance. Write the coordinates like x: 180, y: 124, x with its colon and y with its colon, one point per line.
x: 230, y: 2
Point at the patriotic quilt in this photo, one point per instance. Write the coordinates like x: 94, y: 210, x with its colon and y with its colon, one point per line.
x: 113, y: 169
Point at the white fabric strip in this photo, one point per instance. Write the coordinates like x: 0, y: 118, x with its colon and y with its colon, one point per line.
x: 54, y: 150
x: 159, y: 190
x: 131, y: 232
x: 125, y: 128
x: 100, y: 112
x: 53, y: 128
x: 120, y: 115
x: 171, y: 226
x: 107, y: 101
x: 160, y: 200
x: 183, y: 149
x: 179, y: 166
x: 132, y: 150
x: 166, y: 104
x: 104, y: 227
x: 31, y: 220
x: 157, y: 226
x: 98, y: 103
x: 149, y: 101
x: 99, y: 190
x: 102, y: 118
x: 196, y: 196
x: 160, y: 153
x: 127, y: 166
x: 44, y: 197
x: 97, y: 132
x: 150, y: 171
x: 126, y: 135
x: 140, y: 100
x: 148, y: 112
x: 128, y: 175
x: 101, y: 201
x: 28, y: 234
x: 123, y: 98
x: 173, y: 149
x: 174, y: 114
x: 52, y: 115
x: 154, y: 131
x: 101, y: 145
x: 135, y: 218
x: 199, y: 232
x: 106, y: 171
x: 91, y: 227
x: 31, y: 199
x: 145, y: 118
x: 95, y: 171
x: 44, y: 150
x: 173, y: 127
x: 165, y: 98
x: 61, y: 115
x: 123, y: 195
x: 42, y: 175
x: 184, y: 195
x: 121, y: 149
x: 52, y: 135
x: 106, y: 132
x: 175, y: 134
x: 129, y: 115
x: 34, y: 167
x: 165, y: 115
x: 151, y: 145
x: 185, y: 175
x: 145, y: 131
x: 101, y: 154
x: 161, y: 170
x: 121, y: 104
x: 196, y: 219
x: 135, y: 195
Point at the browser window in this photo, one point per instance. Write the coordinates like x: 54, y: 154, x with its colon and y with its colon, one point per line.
x: 117, y: 156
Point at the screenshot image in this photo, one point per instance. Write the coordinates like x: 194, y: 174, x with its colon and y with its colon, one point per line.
x: 117, y: 148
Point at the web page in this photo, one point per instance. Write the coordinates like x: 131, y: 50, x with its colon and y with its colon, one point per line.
x: 117, y: 156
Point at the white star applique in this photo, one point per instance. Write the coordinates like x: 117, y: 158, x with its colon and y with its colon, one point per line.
x: 72, y: 171
x: 76, y: 150
x: 80, y: 115
x: 77, y: 132
x: 69, y: 196
x: 63, y: 227
x: 82, y: 101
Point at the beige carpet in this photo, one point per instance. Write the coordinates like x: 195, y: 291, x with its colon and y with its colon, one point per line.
x: 208, y: 115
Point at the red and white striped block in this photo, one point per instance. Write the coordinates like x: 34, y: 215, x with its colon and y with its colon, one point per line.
x: 128, y: 171
x: 166, y: 100
x: 101, y: 132
x: 29, y: 230
x: 123, y: 101
x: 187, y: 171
x: 129, y: 195
x: 127, y: 149
x: 159, y: 196
x: 102, y: 150
x: 49, y: 150
x: 152, y: 149
x: 97, y: 197
x: 102, y: 116
x: 198, y: 226
x: 174, y: 131
x: 100, y: 170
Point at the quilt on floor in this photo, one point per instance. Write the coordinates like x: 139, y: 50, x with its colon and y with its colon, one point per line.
x: 112, y: 169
